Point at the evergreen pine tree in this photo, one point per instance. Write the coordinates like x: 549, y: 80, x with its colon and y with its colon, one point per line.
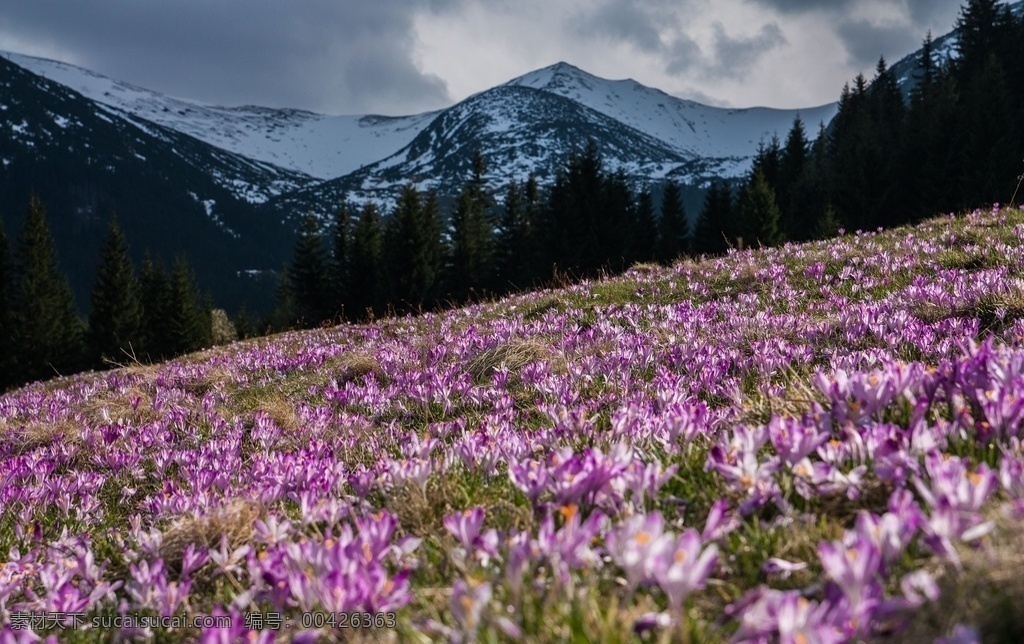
x: 928, y: 151
x: 759, y: 214
x: 643, y: 235
x: 154, y: 295
x: 672, y: 227
x: 715, y: 222
x: 985, y: 28
x: 792, y: 165
x: 188, y: 320
x: 851, y: 138
x: 986, y: 136
x: 245, y: 326
x: 888, y: 114
x: 615, y: 225
x: 535, y: 256
x: 48, y: 332
x: 308, y: 281
x: 574, y: 215
x: 413, y: 250
x: 282, y: 315
x: 115, y: 319
x: 435, y: 248
x: 768, y: 160
x: 339, y: 265
x: 471, y: 233
x: 7, y: 352
x: 364, y: 265
x: 512, y: 246
x: 828, y: 225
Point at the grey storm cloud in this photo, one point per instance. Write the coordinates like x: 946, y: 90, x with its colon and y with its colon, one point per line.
x: 866, y: 42
x: 920, y: 12
x: 734, y: 55
x: 865, y: 38
x: 317, y: 54
x: 659, y: 27
x: 632, y: 23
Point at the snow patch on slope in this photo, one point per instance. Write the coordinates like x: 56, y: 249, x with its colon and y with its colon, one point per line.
x: 314, y: 144
x: 692, y: 128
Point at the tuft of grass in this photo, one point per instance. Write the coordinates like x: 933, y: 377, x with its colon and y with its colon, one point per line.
x: 513, y: 355
x: 995, y: 311
x: 986, y: 594
x: 38, y: 434
x: 233, y: 520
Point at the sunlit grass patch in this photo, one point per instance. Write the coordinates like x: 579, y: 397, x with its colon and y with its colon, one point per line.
x: 512, y: 356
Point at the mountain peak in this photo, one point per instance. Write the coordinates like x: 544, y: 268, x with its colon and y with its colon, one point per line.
x: 560, y: 76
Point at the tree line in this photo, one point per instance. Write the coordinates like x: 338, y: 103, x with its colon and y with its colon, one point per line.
x: 134, y: 317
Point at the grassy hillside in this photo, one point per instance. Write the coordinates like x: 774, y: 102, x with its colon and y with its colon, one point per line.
x: 808, y: 443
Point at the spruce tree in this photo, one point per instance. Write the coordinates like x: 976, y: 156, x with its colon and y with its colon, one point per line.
x: 48, y: 332
x: 616, y: 222
x: 154, y: 295
x: 365, y: 295
x: 928, y: 150
x: 7, y: 352
x: 828, y: 225
x: 851, y: 141
x: 188, y: 319
x: 759, y: 214
x: 535, y: 257
x: 511, y: 246
x: 339, y: 265
x: 115, y: 319
x: 643, y: 234
x: 715, y: 222
x: 574, y: 215
x: 888, y: 114
x: 984, y: 28
x: 436, y: 249
x: 672, y: 227
x: 245, y: 327
x: 791, y: 168
x: 471, y: 232
x: 986, y: 136
x: 308, y: 281
x: 413, y: 251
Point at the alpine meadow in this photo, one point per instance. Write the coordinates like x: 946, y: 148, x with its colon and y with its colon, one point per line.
x: 535, y: 367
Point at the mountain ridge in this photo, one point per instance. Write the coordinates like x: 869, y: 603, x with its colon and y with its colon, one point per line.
x: 339, y: 149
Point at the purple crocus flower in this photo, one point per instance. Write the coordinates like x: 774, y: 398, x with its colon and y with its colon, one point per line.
x: 469, y: 600
x: 634, y: 546
x: 684, y: 567
x: 855, y: 567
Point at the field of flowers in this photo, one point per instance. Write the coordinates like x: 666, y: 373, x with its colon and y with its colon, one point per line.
x: 814, y: 443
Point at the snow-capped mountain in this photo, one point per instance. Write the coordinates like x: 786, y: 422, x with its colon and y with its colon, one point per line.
x: 692, y: 129
x: 370, y: 155
x: 322, y: 147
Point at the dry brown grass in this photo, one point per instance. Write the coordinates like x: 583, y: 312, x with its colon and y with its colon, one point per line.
x: 353, y: 366
x: 234, y: 520
x: 27, y: 437
x: 513, y: 355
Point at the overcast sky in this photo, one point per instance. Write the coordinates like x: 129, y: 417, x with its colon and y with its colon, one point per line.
x: 407, y: 56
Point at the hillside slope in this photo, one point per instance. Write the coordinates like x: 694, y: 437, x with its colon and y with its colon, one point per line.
x: 817, y: 441
x: 173, y: 195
